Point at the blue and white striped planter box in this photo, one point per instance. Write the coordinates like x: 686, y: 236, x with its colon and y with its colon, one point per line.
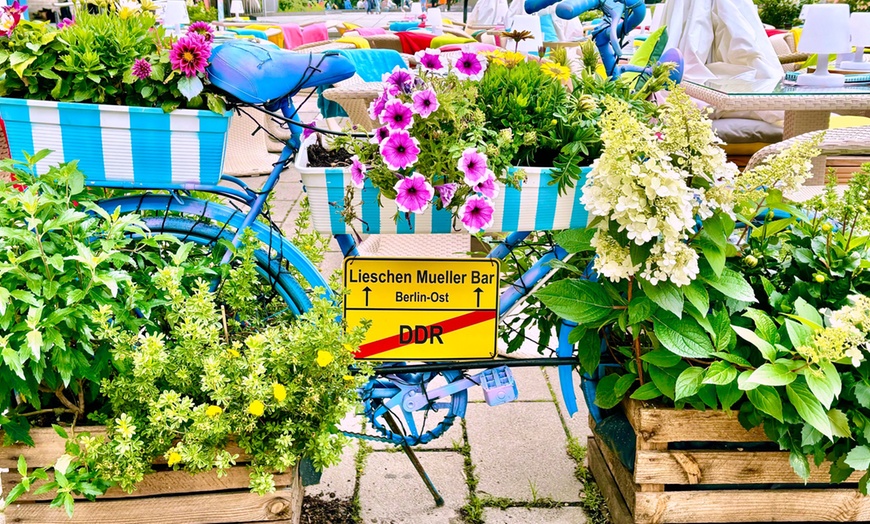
x: 120, y: 146
x: 536, y: 207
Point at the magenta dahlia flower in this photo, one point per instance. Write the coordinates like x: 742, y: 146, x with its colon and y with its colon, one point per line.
x: 470, y: 66
x: 141, y: 69
x: 203, y: 29
x: 400, y: 150
x: 380, y: 134
x: 397, y: 116
x: 487, y: 187
x: 446, y: 192
x: 476, y: 213
x: 413, y: 194
x: 430, y: 59
x: 357, y: 172
x: 472, y: 164
x: 425, y: 102
x: 66, y: 22
x: 190, y: 54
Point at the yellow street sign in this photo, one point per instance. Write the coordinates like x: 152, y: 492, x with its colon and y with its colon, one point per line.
x: 423, y: 309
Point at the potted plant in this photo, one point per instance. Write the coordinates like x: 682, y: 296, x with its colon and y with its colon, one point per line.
x: 115, y: 91
x: 714, y: 291
x: 114, y: 338
x: 491, y: 141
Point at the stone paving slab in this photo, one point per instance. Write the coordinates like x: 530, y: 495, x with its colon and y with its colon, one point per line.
x: 531, y: 384
x: 578, y: 424
x: 445, y: 441
x: 391, y: 492
x: 566, y: 515
x: 519, y: 448
x: 339, y: 480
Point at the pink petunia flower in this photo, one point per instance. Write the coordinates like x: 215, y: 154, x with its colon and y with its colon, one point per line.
x: 400, y: 150
x: 380, y: 134
x: 399, y: 78
x: 397, y: 115
x: 190, y: 54
x: 425, y: 102
x: 357, y: 172
x: 430, y: 59
x: 203, y: 29
x: 378, y: 104
x: 308, y: 131
x: 470, y: 66
x: 141, y: 69
x: 413, y: 194
x: 487, y: 187
x: 446, y: 192
x: 476, y: 214
x: 10, y: 15
x: 472, y: 164
x: 66, y: 22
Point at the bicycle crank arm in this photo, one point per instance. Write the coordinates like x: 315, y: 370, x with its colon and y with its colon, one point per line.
x: 415, y: 399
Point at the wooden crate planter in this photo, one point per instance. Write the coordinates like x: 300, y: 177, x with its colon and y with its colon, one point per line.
x: 670, y: 485
x: 164, y: 497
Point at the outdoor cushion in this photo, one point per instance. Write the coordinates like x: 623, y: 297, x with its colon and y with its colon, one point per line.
x: 477, y: 47
x: 370, y: 65
x: 358, y: 41
x: 369, y: 31
x: 315, y: 33
x: 747, y: 131
x: 403, y: 26
x: 548, y: 28
x: 651, y: 49
x: 276, y: 37
x: 292, y: 35
x: 413, y: 41
x: 443, y: 40
x: 249, y: 32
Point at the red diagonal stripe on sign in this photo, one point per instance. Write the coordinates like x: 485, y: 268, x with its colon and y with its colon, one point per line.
x: 451, y: 324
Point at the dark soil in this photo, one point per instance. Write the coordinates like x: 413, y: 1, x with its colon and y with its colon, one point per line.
x: 319, y: 156
x: 327, y: 509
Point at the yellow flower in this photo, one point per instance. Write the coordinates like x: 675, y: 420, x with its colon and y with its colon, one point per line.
x: 174, y: 458
x: 213, y: 411
x: 557, y: 71
x: 324, y: 358
x: 349, y: 348
x: 234, y: 353
x: 256, y: 408
x: 279, y: 392
x: 348, y: 379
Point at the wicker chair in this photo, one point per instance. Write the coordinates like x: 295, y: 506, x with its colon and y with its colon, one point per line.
x: 851, y: 142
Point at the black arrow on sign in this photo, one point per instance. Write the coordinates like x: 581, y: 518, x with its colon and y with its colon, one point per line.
x: 367, y: 290
x: 478, y: 291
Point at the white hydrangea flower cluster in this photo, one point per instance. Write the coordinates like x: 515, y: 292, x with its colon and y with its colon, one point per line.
x: 654, y: 182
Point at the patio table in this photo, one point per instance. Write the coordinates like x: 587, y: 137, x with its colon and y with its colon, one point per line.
x: 806, y: 108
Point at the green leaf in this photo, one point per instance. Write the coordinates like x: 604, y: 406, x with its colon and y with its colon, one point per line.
x: 34, y: 343
x: 697, y: 295
x: 766, y: 348
x: 60, y: 431
x: 68, y: 504
x: 190, y: 86
x: 734, y: 359
x: 682, y: 336
x: 14, y: 493
x: 589, y: 350
x: 22, y: 466
x: 729, y: 394
x: 839, y: 423
x: 689, y: 382
x: 216, y: 104
x: 721, y: 322
x: 731, y: 284
x: 809, y: 408
x: 576, y: 300
x: 799, y: 464
x: 665, y: 379
x: 13, y: 360
x: 862, y: 394
x: 766, y: 399
x: 648, y: 391
x: 859, y: 458
x: 808, y: 312
x: 713, y: 254
x: 576, y: 240
x: 661, y: 358
x: 639, y: 309
x: 606, y: 394
x: 666, y: 295
x: 773, y: 375
x: 798, y: 334
x: 821, y: 386
x: 764, y: 326
x: 720, y: 373
x: 20, y: 62
x: 809, y: 436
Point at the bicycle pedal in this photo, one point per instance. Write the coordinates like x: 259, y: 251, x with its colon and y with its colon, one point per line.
x: 499, y: 386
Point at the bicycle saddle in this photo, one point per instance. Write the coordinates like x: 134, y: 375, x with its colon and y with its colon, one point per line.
x: 256, y: 74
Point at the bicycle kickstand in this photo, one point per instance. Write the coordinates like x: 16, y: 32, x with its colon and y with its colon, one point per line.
x: 394, y: 427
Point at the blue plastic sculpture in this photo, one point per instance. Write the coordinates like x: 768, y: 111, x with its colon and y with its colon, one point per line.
x: 620, y: 18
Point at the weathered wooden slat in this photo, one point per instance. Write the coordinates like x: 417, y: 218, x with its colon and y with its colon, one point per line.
x: 624, y: 478
x: 221, y: 508
x: 723, y: 467
x: 164, y: 483
x: 619, y: 513
x: 49, y: 446
x: 807, y: 505
x: 663, y: 425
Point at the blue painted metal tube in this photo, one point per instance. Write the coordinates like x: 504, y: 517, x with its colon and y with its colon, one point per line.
x: 534, y: 274
x: 504, y: 248
x: 348, y: 245
x: 566, y: 373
